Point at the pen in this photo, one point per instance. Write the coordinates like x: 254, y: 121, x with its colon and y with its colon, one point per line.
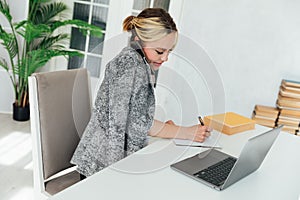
x: 201, y: 121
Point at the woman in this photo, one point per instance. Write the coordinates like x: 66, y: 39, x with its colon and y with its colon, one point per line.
x: 123, y: 113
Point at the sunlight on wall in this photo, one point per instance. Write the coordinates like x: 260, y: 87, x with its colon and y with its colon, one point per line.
x: 14, y: 147
x: 29, y: 166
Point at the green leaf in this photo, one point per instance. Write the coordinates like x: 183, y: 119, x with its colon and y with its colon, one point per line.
x: 38, y: 58
x: 4, y: 9
x: 47, y: 12
x: 31, y: 32
x: 54, y: 42
x: 4, y: 64
x: 83, y: 26
x: 8, y: 42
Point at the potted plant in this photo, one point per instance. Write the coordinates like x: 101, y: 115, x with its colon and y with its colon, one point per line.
x: 31, y: 43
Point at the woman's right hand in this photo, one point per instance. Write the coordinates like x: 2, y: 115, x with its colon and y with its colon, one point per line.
x: 197, y: 133
x: 170, y: 122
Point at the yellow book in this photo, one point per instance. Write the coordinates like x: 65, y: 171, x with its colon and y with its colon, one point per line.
x: 264, y: 121
x: 266, y: 109
x: 288, y: 122
x: 266, y: 114
x: 289, y: 93
x: 229, y: 123
x: 290, y: 129
x: 290, y: 113
x: 290, y: 83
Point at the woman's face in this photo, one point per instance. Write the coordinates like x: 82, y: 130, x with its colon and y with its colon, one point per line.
x: 157, y: 52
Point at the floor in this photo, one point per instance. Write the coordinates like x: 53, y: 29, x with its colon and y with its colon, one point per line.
x: 16, y: 177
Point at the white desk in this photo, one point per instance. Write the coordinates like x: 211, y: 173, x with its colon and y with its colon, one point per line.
x: 147, y: 175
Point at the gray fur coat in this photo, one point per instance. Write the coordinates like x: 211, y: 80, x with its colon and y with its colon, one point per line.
x: 124, y: 104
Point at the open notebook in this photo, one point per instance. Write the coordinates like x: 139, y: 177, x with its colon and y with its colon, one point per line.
x: 211, y: 141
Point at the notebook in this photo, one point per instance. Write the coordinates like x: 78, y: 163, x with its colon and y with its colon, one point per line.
x: 211, y: 141
x: 220, y: 170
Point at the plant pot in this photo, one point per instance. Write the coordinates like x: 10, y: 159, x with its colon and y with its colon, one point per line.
x: 21, y: 113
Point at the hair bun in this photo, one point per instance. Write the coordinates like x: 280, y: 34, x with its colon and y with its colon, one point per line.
x: 134, y: 20
x: 129, y: 23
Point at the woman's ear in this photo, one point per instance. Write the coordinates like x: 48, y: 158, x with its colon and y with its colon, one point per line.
x: 136, y: 38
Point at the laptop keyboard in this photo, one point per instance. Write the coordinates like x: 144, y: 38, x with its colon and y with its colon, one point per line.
x: 217, y: 173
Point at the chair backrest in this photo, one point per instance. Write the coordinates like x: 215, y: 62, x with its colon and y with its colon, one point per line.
x: 60, y: 109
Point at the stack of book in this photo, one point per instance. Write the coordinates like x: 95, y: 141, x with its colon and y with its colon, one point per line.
x: 286, y: 112
x: 289, y: 95
x: 290, y: 119
x: 289, y: 104
x: 265, y: 115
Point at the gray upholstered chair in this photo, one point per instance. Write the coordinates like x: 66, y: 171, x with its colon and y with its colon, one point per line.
x: 60, y: 109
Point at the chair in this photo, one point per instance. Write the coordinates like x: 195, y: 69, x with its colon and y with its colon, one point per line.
x: 60, y: 109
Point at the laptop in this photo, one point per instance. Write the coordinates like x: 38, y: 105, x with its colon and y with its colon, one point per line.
x: 220, y: 170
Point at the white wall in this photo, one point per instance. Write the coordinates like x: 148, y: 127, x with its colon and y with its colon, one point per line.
x: 253, y: 44
x: 6, y: 89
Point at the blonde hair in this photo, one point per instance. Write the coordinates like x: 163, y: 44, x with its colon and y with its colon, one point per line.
x: 150, y: 25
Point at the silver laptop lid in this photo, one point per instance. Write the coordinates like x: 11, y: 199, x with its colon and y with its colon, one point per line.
x: 252, y: 156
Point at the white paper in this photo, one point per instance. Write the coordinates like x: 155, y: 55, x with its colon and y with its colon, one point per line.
x: 211, y: 141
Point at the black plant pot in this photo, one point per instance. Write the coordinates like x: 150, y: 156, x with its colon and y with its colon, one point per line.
x: 21, y: 113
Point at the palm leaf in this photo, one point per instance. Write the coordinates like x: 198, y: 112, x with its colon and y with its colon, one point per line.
x: 54, y: 42
x: 4, y: 9
x: 47, y: 12
x: 30, y: 32
x: 81, y: 25
x: 20, y: 24
x: 4, y: 64
x: 34, y: 6
x: 39, y: 1
x: 38, y: 58
x: 8, y: 42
